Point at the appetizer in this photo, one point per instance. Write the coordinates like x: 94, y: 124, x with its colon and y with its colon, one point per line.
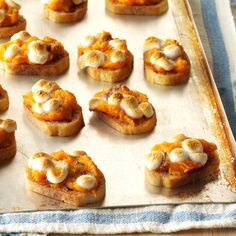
x: 7, y: 139
x: 104, y: 58
x: 125, y: 110
x: 137, y: 7
x: 180, y: 161
x: 64, y: 11
x: 11, y: 21
x: 72, y: 178
x: 53, y: 110
x: 28, y: 55
x: 165, y: 62
x: 4, y: 99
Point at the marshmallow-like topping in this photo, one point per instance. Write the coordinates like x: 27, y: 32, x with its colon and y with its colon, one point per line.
x: 178, y: 138
x: 11, y: 51
x: 155, y: 56
x: 22, y: 35
x: 77, y: 153
x: 2, y: 15
x: 86, y: 181
x: 94, y: 102
x: 165, y: 63
x: 88, y: 41
x: 77, y: 2
x: 130, y: 105
x: 38, y: 52
x: 199, y: 157
x: 58, y: 173
x: 192, y: 145
x: 117, y: 43
x: 92, y: 59
x: 51, y: 105
x: 12, y: 4
x: 8, y: 125
x: 115, y: 98
x: 154, y: 160
x: 38, y: 107
x: 147, y: 109
x: 178, y: 154
x: 117, y: 56
x: 39, y: 85
x: 41, y: 96
x: 152, y: 42
x: 172, y: 51
x: 40, y: 162
x: 50, y: 87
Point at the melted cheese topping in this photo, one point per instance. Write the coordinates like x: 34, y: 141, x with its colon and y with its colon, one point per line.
x: 104, y: 52
x: 59, y: 169
x: 49, y: 102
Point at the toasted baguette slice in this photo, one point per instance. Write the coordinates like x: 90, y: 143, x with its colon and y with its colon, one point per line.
x: 111, y: 75
x: 8, y: 152
x: 6, y: 32
x: 145, y: 126
x: 166, y: 79
x: 4, y: 101
x: 61, y: 129
x: 208, y: 172
x: 118, y: 8
x: 52, y: 68
x: 63, y: 17
x: 68, y: 196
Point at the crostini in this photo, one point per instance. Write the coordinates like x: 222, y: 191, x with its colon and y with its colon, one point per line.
x: 125, y: 110
x: 53, y: 110
x: 28, y: 55
x: 7, y: 139
x: 4, y: 99
x: 69, y: 177
x: 11, y: 21
x: 137, y: 7
x: 64, y: 11
x: 165, y: 62
x: 104, y: 58
x: 180, y: 161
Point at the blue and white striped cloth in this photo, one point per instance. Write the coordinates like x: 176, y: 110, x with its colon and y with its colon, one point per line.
x: 216, y: 26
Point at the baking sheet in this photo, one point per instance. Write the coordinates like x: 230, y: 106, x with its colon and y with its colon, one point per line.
x: 193, y: 109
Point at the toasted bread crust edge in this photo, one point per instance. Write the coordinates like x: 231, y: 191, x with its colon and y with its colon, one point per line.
x: 167, y: 79
x: 6, y: 32
x: 8, y: 152
x: 69, y: 196
x: 209, y: 171
x: 4, y: 102
x: 49, y: 69
x: 62, y: 129
x: 144, y: 127
x: 109, y: 75
x: 122, y: 9
x: 62, y: 17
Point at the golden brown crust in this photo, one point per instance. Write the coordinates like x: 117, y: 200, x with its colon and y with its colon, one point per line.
x: 52, y: 68
x: 8, y: 152
x: 54, y: 128
x: 63, y: 17
x: 6, y: 32
x: 166, y: 79
x: 69, y: 196
x: 111, y: 75
x: 143, y: 127
x: 4, y: 101
x: 208, y: 172
x: 117, y: 8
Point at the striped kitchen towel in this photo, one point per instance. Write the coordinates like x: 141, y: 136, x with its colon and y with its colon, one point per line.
x: 216, y: 26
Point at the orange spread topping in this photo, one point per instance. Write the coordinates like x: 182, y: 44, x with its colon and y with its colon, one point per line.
x: 62, y: 5
x: 102, y: 44
x: 138, y: 2
x: 183, y: 167
x: 181, y: 64
x: 11, y: 14
x: 80, y: 165
x: 55, y: 49
x: 68, y: 106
